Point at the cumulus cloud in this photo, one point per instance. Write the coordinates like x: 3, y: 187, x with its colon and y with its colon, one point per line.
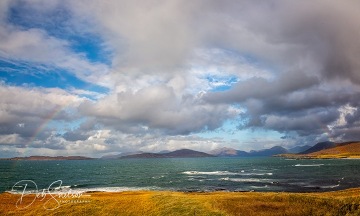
x: 158, y: 107
x: 260, y: 88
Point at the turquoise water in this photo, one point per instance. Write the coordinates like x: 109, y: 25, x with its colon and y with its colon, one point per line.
x: 185, y: 174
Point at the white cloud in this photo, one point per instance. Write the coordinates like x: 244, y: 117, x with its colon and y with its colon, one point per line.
x: 294, y: 66
x: 158, y: 107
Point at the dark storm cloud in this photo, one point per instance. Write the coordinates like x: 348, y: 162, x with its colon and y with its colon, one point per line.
x: 305, y: 111
x: 260, y: 88
x: 75, y: 136
x: 354, y: 118
x: 329, y: 32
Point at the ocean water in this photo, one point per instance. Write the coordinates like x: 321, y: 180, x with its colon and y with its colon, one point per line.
x: 182, y: 174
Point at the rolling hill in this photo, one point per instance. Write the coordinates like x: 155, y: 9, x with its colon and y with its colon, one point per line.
x: 228, y: 152
x: 268, y: 152
x: 341, y: 150
x: 182, y: 153
x: 298, y: 149
x: 329, y: 151
x: 319, y: 146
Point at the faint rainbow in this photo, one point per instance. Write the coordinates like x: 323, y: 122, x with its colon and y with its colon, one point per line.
x: 38, y: 130
x: 50, y: 116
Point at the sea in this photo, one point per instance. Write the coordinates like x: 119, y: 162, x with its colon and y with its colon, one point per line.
x: 181, y: 174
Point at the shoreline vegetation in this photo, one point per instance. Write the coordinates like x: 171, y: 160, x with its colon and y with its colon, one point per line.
x: 305, y: 157
x: 345, y: 202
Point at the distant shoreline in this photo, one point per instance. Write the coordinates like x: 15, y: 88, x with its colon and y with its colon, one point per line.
x: 48, y: 158
x: 313, y: 157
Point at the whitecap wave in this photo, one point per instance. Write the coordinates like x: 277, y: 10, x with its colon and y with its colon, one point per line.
x: 322, y: 186
x: 209, y: 173
x: 259, y: 187
x: 331, y: 186
x: 117, y: 189
x: 257, y: 174
x: 308, y: 165
x: 244, y: 179
x: 158, y: 177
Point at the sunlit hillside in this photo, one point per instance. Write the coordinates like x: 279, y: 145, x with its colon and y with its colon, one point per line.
x: 350, y: 150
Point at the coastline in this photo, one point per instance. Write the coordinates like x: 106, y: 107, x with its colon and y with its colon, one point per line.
x: 186, y: 203
x: 313, y: 157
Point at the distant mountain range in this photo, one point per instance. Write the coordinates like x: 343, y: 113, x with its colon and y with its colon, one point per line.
x: 298, y: 149
x: 220, y: 152
x: 138, y: 153
x: 322, y: 149
x: 230, y: 152
x: 319, y: 150
x: 268, y: 152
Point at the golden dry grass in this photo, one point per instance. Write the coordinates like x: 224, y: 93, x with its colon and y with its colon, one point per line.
x: 348, y: 150
x: 345, y: 202
x: 345, y: 150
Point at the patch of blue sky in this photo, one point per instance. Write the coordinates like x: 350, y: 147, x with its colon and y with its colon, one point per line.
x: 57, y: 23
x: 251, y: 59
x: 221, y: 83
x: 26, y: 74
x: 229, y: 132
x: 93, y: 48
x: 62, y: 127
x: 263, y: 66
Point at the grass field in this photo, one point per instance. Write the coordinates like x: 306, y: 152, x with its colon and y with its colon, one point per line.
x: 345, y: 202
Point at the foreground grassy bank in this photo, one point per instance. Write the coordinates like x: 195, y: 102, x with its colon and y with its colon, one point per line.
x: 345, y: 202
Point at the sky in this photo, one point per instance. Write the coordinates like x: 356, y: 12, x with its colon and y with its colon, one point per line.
x: 93, y: 77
